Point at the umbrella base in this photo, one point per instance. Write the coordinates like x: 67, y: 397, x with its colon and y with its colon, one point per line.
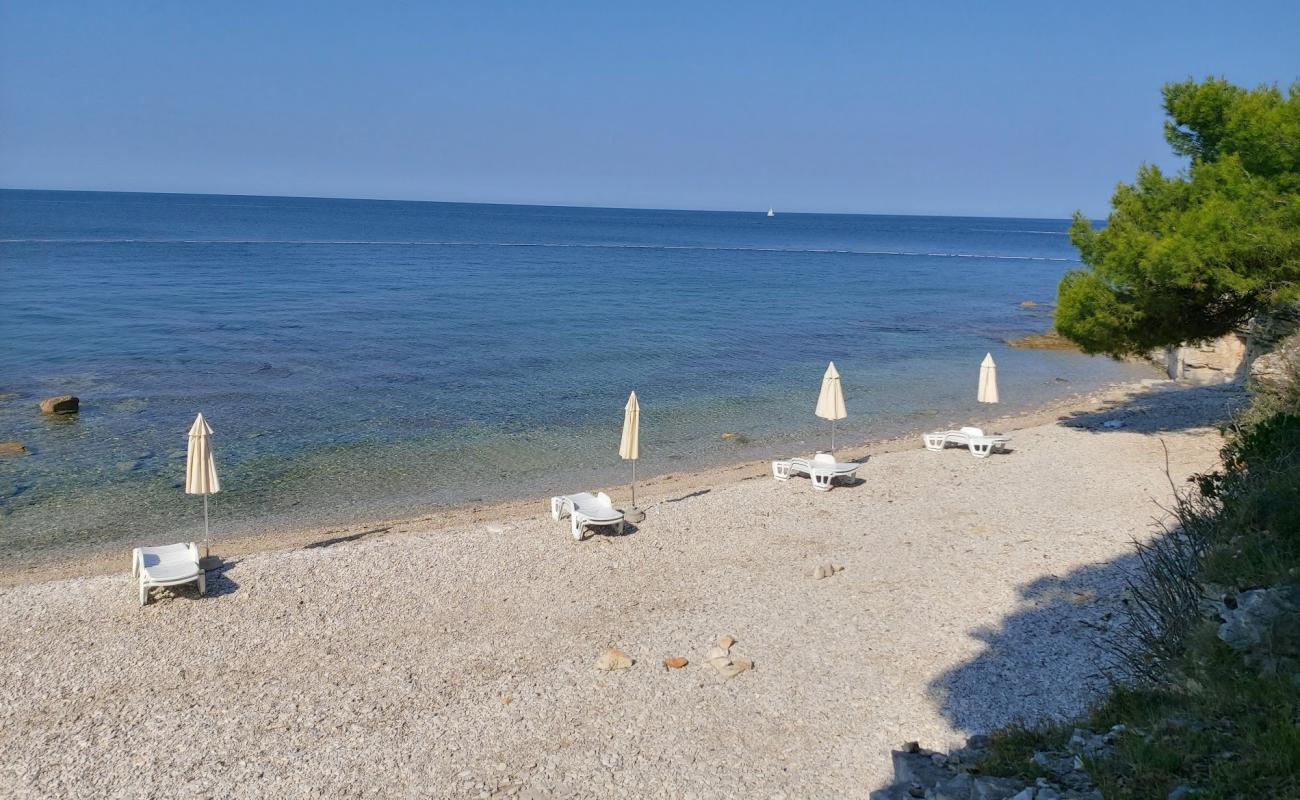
x: 633, y: 514
x: 209, y: 563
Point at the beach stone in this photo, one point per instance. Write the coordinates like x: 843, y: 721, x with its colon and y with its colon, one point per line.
x: 613, y: 659
x: 12, y: 449
x: 1264, y: 621
x: 819, y: 572
x: 675, y: 663
x: 985, y: 788
x: 726, y: 641
x: 63, y: 404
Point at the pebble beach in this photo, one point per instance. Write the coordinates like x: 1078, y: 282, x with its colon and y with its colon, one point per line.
x: 458, y: 654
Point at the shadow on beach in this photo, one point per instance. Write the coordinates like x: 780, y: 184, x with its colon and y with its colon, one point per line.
x: 219, y: 582
x: 1162, y: 410
x: 1045, y: 660
x: 351, y: 537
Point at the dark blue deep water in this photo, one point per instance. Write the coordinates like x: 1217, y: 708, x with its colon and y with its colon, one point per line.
x: 361, y: 359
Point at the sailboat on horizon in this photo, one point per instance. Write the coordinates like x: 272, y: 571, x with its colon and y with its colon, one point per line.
x: 770, y: 212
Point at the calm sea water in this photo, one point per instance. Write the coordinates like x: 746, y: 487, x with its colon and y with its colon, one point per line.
x: 360, y: 359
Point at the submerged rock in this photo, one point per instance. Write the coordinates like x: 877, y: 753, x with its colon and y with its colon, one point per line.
x: 63, y: 404
x: 12, y: 449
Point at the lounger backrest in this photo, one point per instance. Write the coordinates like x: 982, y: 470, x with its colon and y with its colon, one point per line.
x: 969, y: 431
x: 603, y: 498
x: 824, y: 458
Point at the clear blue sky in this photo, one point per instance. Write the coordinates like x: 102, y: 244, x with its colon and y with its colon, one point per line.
x: 1027, y: 108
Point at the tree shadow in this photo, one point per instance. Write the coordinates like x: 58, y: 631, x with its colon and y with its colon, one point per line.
x: 1157, y: 410
x: 1046, y: 660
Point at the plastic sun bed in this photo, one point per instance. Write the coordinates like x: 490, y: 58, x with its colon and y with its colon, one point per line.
x: 822, y: 468
x: 973, y: 439
x: 586, y: 510
x: 168, y: 565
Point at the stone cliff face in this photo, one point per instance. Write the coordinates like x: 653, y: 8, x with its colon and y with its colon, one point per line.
x: 1258, y: 351
x: 1275, y: 349
x: 1221, y: 360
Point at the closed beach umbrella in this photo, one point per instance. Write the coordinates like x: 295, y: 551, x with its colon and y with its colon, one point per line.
x: 630, y: 448
x: 988, y: 380
x: 830, y: 403
x: 201, y: 471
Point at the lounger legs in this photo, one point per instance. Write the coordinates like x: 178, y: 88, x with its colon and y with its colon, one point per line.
x: 981, y: 449
x: 144, y: 595
x: 781, y: 470
x: 821, y: 480
x: 203, y: 584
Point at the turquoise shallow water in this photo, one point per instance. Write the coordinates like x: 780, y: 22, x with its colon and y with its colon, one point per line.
x: 361, y: 359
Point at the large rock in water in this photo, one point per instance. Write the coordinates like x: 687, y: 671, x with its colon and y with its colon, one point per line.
x: 63, y: 404
x: 12, y: 449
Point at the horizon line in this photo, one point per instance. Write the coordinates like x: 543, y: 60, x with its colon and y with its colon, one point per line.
x: 531, y: 205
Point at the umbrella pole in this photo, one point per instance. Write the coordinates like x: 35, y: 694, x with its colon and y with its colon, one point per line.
x: 205, y: 525
x: 832, y: 437
x: 209, y: 561
x: 633, y: 514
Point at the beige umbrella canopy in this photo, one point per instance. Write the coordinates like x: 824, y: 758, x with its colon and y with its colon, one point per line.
x: 630, y: 447
x: 830, y: 403
x: 201, y: 471
x: 988, y: 392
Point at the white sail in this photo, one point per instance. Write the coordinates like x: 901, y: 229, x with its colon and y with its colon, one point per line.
x: 771, y: 213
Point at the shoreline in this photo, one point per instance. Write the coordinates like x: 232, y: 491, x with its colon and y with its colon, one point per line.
x: 462, y: 651
x: 653, y: 491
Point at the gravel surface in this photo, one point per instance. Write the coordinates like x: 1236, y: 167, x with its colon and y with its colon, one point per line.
x: 462, y: 661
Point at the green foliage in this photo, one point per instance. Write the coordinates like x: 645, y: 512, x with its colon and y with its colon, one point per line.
x: 1189, y: 257
x: 1011, y: 749
x: 1227, y: 731
x: 1213, y: 722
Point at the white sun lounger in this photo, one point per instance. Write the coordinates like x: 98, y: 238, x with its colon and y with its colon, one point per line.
x: 973, y: 439
x: 586, y: 510
x: 168, y: 565
x: 822, y: 468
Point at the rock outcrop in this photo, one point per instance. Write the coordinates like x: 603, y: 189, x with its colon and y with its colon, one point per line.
x: 1264, y: 625
x: 12, y: 449
x: 1221, y: 360
x: 63, y: 404
x: 921, y: 773
x: 1273, y: 371
x: 1274, y: 353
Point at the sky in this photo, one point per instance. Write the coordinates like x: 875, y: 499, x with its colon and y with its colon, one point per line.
x: 1030, y: 109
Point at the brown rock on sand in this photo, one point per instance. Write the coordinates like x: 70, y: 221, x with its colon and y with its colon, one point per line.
x: 613, y: 659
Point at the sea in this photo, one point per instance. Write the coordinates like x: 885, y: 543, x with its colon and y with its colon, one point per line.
x: 364, y: 360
